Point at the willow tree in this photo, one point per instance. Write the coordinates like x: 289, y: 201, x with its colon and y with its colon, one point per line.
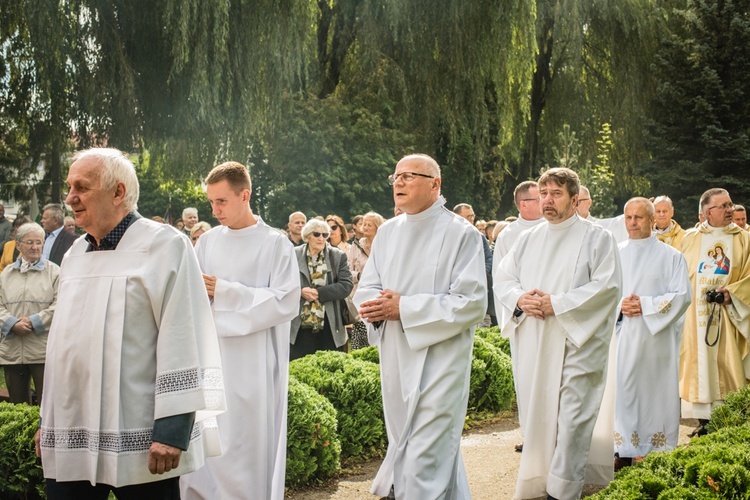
x: 591, y: 68
x: 454, y: 74
x: 188, y: 79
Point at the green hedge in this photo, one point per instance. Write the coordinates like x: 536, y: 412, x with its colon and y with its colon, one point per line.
x: 493, y: 336
x: 21, y: 474
x: 313, y: 447
x: 353, y: 387
x: 735, y: 411
x: 369, y: 353
x: 491, y: 384
x: 712, y: 466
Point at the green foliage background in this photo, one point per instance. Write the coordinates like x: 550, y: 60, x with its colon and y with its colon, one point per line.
x: 320, y: 99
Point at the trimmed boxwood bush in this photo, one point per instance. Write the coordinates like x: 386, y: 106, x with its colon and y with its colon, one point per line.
x: 735, y: 410
x: 491, y: 385
x: 353, y: 387
x: 493, y: 336
x: 712, y: 466
x: 20, y: 470
x: 313, y: 447
x: 369, y: 353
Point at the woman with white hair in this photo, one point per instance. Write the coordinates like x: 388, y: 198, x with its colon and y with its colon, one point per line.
x: 28, y: 294
x: 326, y: 281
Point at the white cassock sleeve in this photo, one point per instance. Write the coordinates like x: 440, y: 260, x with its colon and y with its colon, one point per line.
x: 183, y: 336
x: 662, y: 311
x: 507, y: 288
x: 256, y: 309
x: 586, y: 307
x: 431, y: 318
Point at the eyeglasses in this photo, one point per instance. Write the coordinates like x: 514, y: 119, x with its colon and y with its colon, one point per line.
x: 406, y: 177
x: 318, y: 235
x: 32, y: 243
x: 529, y: 199
x: 726, y: 206
x: 583, y: 199
x: 334, y: 227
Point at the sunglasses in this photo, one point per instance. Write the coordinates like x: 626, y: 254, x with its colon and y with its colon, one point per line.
x: 334, y: 227
x: 318, y: 235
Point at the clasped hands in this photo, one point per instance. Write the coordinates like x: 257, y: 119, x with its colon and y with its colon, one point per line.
x: 309, y: 294
x: 536, y: 304
x: 22, y: 327
x: 631, y: 306
x: 383, y: 308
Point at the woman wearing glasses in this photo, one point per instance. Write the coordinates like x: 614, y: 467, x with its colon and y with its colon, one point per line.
x: 339, y: 235
x: 326, y: 281
x: 28, y: 294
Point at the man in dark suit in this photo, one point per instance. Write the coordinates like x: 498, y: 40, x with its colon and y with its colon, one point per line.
x: 58, y: 240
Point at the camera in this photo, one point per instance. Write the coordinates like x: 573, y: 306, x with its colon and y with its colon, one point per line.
x: 714, y: 296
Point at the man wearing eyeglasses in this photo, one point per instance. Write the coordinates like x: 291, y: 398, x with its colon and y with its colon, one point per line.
x: 421, y: 293
x: 251, y: 276
x: 584, y: 204
x: 526, y: 199
x: 714, y: 340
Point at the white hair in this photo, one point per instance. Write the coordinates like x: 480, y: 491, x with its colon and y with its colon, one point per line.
x: 28, y: 228
x: 315, y: 225
x: 116, y: 167
x: 189, y: 210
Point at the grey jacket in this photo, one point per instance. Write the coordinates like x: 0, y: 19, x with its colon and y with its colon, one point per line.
x: 330, y: 295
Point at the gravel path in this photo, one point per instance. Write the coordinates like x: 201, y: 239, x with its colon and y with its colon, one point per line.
x: 490, y: 460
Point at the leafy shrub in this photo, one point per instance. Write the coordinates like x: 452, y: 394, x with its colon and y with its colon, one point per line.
x: 313, y: 447
x: 712, y: 466
x: 493, y: 336
x: 491, y: 385
x: 353, y: 387
x: 20, y: 469
x: 735, y: 411
x: 369, y: 353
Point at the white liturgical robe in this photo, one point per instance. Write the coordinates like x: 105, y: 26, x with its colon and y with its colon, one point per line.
x: 647, y: 398
x: 122, y: 353
x: 256, y: 298
x: 505, y: 241
x: 434, y: 260
x: 562, y: 358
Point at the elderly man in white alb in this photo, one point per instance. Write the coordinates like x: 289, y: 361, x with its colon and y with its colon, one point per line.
x: 130, y: 382
x: 421, y: 293
x: 560, y: 285
x: 251, y: 275
x: 656, y: 293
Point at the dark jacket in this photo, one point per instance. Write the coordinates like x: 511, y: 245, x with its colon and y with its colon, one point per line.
x: 63, y: 241
x: 330, y: 295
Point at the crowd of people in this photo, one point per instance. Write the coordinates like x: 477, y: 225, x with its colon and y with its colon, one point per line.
x: 160, y: 354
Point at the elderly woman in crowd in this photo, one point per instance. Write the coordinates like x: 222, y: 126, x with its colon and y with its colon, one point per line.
x: 28, y: 294
x: 339, y: 234
x: 326, y: 281
x: 359, y: 252
x: 10, y: 252
x: 199, y: 228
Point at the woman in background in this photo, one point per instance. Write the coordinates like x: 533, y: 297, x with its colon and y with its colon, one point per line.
x: 325, y: 282
x: 28, y: 295
x: 359, y: 252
